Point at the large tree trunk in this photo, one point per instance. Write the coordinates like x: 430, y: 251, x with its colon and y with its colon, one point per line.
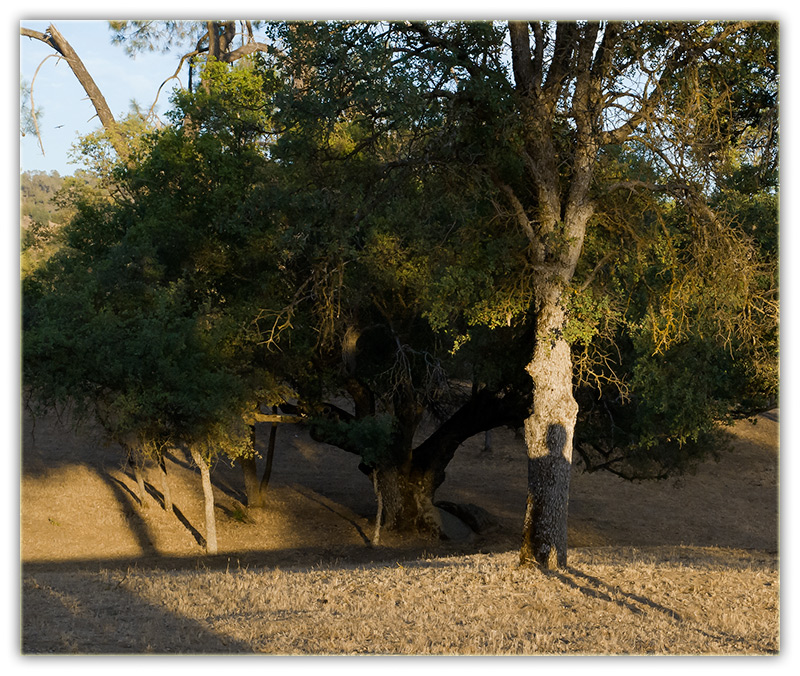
x: 208, y: 497
x: 548, y: 435
x: 407, y: 499
x: 555, y: 228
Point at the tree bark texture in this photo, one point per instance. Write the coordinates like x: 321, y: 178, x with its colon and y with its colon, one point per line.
x: 548, y: 436
x: 407, y: 499
x: 555, y: 225
x: 208, y: 498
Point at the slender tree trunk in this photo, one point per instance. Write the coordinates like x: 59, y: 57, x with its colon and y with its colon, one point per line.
x: 162, y: 464
x: 256, y: 490
x: 487, y: 443
x: 251, y: 483
x: 256, y: 496
x: 134, y: 459
x: 273, y: 433
x: 376, y: 538
x: 208, y: 497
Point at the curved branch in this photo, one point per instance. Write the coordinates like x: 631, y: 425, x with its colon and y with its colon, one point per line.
x: 53, y: 38
x: 247, y: 49
x: 174, y: 76
x: 33, y: 105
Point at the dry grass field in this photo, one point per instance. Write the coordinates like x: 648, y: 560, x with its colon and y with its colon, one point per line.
x: 679, y: 568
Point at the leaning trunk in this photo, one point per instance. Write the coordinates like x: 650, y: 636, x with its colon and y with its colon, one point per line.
x: 208, y: 497
x: 135, y: 463
x: 58, y: 42
x: 255, y: 489
x: 548, y: 435
x: 162, y: 465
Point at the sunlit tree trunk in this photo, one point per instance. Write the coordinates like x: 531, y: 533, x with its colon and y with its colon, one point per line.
x: 208, y: 499
x: 555, y: 226
x: 548, y: 436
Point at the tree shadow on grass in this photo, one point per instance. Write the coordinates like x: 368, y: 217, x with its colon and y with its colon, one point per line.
x: 596, y: 588
x: 137, y: 524
x: 91, y: 614
x: 331, y: 506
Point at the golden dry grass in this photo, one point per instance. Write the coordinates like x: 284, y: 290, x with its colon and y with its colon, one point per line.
x: 680, y: 601
x: 680, y: 569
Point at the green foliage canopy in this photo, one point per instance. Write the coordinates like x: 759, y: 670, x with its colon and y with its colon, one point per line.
x: 352, y: 183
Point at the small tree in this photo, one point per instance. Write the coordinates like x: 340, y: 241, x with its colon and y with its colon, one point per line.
x: 130, y: 321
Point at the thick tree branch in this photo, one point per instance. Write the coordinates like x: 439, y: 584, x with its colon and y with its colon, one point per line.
x: 562, y: 55
x: 423, y: 31
x: 522, y: 62
x: 483, y: 411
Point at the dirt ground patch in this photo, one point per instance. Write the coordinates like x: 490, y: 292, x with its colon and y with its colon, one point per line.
x: 80, y: 516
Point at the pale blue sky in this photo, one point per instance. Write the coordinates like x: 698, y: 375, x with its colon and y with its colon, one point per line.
x: 66, y: 112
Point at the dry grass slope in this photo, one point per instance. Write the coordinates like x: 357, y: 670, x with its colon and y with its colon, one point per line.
x: 688, y: 568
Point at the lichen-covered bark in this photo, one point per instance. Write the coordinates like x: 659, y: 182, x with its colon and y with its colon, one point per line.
x: 548, y: 435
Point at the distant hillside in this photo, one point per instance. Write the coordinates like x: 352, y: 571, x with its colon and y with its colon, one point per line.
x: 41, y: 213
x: 39, y: 216
x: 37, y: 207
